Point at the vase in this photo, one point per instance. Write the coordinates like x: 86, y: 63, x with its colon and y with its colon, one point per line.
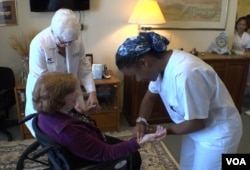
x: 25, y: 68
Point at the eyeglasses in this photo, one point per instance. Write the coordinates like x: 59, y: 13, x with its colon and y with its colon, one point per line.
x: 63, y: 43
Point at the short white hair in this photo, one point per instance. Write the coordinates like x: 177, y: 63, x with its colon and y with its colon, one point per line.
x: 65, y: 25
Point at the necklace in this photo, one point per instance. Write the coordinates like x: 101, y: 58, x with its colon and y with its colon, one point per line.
x: 85, y: 118
x: 82, y: 117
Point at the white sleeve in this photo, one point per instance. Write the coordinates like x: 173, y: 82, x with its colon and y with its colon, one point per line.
x: 153, y: 86
x: 248, y: 41
x: 85, y: 72
x: 37, y: 62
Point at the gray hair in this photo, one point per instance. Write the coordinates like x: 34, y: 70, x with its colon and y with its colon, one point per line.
x: 65, y: 25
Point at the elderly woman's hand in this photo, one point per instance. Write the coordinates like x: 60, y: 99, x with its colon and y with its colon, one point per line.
x: 160, y: 133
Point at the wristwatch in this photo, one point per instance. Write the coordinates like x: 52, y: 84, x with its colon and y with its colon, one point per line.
x: 141, y: 120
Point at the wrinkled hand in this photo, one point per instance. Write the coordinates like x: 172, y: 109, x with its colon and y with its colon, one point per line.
x: 140, y: 129
x: 160, y: 133
x: 88, y: 108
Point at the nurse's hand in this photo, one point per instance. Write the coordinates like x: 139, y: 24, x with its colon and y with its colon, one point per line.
x: 151, y: 129
x: 139, y: 130
x: 92, y: 103
x: 86, y: 109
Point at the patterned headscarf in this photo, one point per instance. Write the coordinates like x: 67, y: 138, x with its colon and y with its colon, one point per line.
x: 143, y: 43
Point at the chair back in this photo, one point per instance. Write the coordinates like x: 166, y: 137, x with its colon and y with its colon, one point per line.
x: 7, y: 78
x: 7, y: 85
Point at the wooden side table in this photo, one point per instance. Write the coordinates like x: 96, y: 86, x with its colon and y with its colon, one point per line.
x: 20, y: 103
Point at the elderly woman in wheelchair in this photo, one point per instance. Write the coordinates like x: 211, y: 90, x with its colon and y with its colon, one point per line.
x: 54, y: 98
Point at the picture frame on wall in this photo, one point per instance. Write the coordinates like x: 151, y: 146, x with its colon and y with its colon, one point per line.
x: 8, y: 14
x: 194, y: 14
x: 89, y: 56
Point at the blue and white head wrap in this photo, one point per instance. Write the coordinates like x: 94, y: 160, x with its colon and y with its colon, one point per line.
x: 140, y: 45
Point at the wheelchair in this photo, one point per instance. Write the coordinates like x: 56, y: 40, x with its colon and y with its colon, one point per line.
x: 46, y: 154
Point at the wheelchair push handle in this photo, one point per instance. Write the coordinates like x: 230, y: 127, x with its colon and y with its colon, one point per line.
x: 26, y: 118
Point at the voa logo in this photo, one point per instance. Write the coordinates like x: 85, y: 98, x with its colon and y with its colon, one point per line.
x: 236, y: 161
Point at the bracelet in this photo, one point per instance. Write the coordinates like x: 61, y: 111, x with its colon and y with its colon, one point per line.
x: 141, y: 120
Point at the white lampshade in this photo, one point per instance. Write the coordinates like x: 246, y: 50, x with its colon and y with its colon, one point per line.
x: 147, y: 12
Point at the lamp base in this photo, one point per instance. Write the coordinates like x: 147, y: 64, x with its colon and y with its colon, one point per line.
x: 145, y: 29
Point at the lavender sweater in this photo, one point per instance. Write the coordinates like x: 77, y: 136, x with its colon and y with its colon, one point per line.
x: 83, y: 139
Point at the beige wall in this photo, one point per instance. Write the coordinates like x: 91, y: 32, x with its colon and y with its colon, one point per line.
x: 106, y: 27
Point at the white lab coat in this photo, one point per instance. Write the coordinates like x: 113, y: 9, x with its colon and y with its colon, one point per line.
x: 44, y: 57
x: 191, y: 89
x: 241, y: 43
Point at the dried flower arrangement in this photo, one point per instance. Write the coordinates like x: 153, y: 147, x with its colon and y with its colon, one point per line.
x: 21, y: 44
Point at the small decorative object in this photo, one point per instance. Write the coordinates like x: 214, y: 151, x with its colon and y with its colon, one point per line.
x: 220, y: 45
x: 194, y: 52
x: 21, y: 44
x: 105, y: 72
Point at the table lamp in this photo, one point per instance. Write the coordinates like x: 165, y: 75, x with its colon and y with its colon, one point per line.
x: 147, y: 12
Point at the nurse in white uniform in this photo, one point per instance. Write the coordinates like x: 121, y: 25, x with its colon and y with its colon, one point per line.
x: 193, y: 94
x: 60, y: 48
x: 241, y: 44
x: 241, y: 41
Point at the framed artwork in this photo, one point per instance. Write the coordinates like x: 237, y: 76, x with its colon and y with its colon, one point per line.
x: 194, y: 14
x: 8, y: 13
x: 90, y: 58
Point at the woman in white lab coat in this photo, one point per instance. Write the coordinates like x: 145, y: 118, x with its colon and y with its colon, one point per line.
x: 60, y: 48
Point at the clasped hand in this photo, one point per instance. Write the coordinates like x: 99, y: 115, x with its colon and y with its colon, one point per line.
x: 157, y: 136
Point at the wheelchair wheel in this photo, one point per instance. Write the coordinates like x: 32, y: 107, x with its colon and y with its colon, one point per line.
x: 27, y: 159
